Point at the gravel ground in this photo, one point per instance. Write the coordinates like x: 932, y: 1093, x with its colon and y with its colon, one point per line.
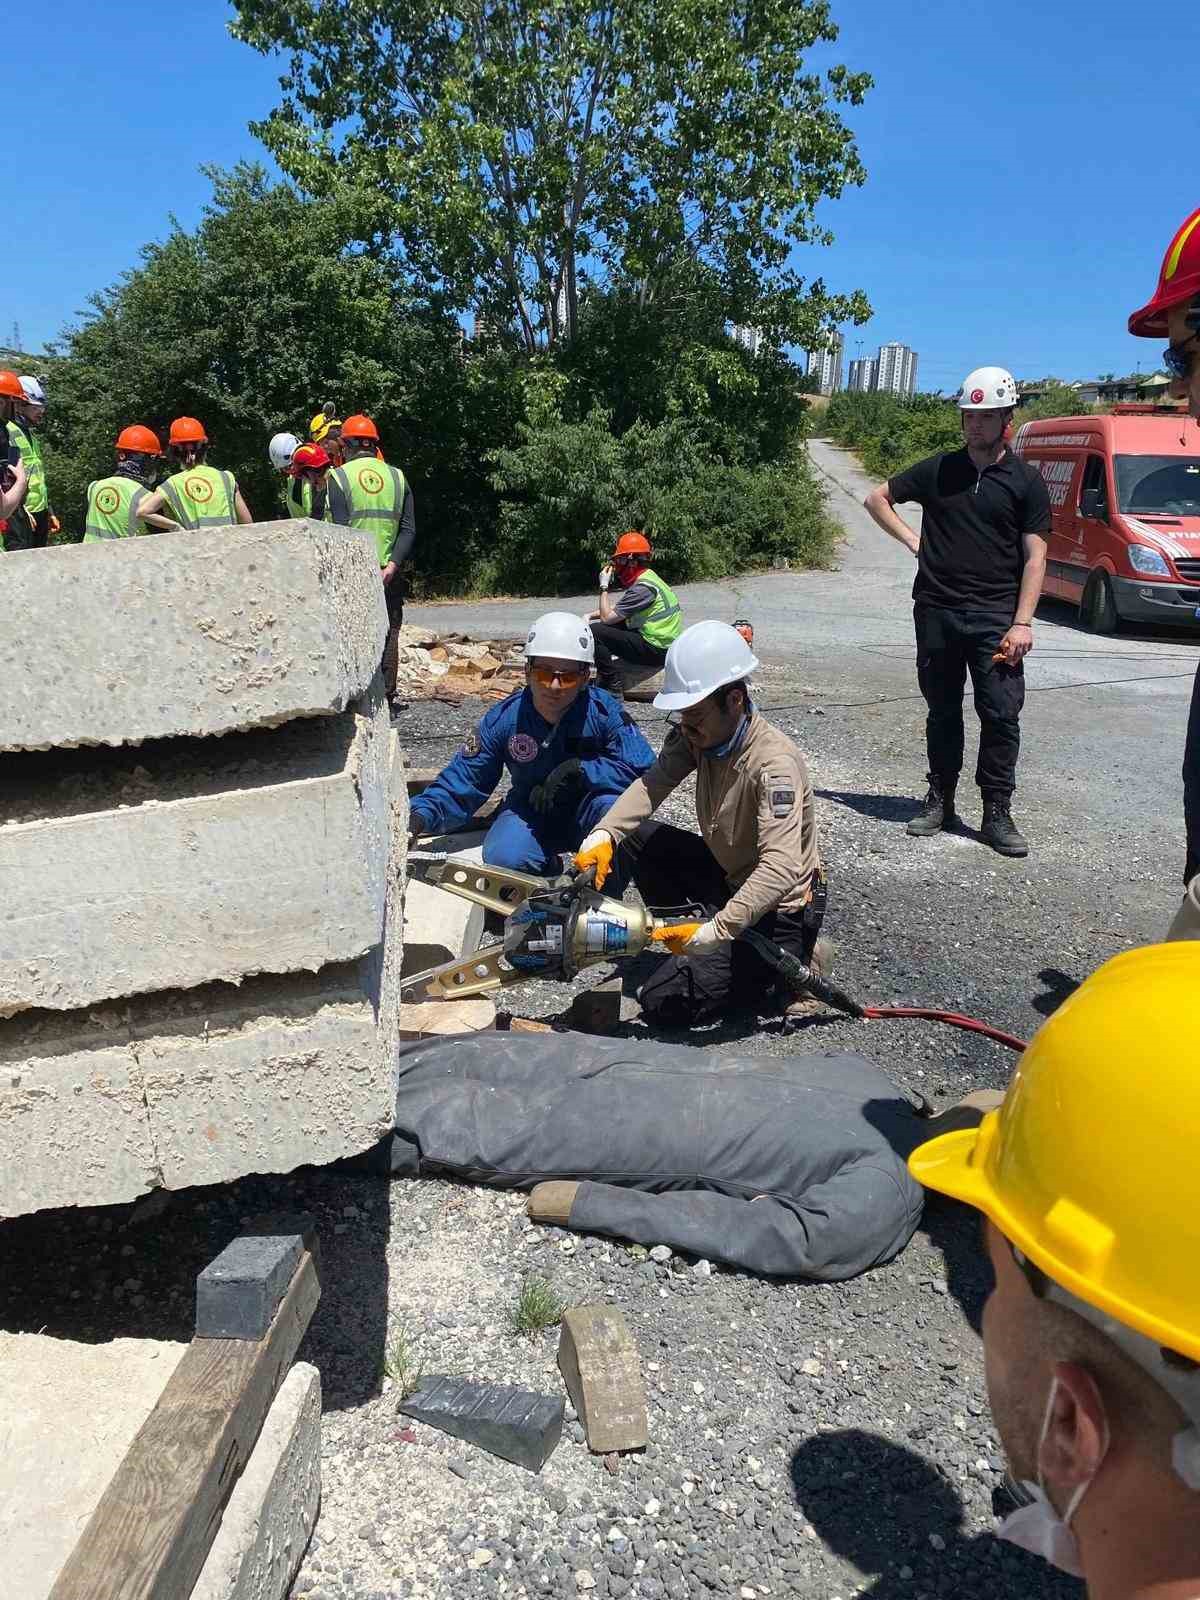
x: 810, y: 1440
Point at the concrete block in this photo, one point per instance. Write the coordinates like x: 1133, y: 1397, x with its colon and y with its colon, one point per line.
x: 599, y: 1363
x: 272, y: 1511
x: 516, y: 1424
x: 70, y: 1413
x: 427, y: 1019
x: 180, y: 865
x: 203, y: 1085
x: 192, y: 633
x: 238, y: 1294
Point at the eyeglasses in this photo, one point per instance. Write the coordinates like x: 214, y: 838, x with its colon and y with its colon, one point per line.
x: 547, y: 677
x: 1179, y: 359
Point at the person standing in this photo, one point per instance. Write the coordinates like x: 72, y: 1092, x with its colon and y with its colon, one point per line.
x: 17, y: 532
x: 280, y: 450
x: 197, y: 495
x: 644, y: 620
x: 981, y: 561
x: 116, y: 505
x: 308, y: 488
x: 1174, y: 313
x: 370, y: 494
x: 23, y: 432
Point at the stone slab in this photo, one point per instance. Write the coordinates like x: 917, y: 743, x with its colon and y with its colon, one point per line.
x: 599, y: 1363
x: 203, y: 1085
x: 516, y: 1424
x: 256, y: 852
x: 273, y: 1509
x: 439, y: 926
x: 70, y: 1413
x: 186, y: 634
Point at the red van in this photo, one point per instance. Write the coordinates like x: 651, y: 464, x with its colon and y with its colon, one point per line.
x: 1125, y: 533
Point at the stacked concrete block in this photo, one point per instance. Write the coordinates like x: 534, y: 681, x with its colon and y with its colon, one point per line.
x: 202, y: 836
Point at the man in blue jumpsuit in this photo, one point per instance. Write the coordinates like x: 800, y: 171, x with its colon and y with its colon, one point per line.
x: 570, y: 749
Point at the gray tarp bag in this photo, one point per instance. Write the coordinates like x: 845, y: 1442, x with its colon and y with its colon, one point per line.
x: 791, y: 1167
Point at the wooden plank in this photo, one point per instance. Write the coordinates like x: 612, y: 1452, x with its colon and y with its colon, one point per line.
x: 152, y: 1528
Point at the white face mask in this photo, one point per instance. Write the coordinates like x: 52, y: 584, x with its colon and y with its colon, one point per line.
x: 1037, y: 1527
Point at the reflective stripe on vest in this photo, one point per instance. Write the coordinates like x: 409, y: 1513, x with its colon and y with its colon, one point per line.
x: 299, y: 497
x: 27, y: 442
x: 369, y: 495
x: 662, y: 623
x: 112, y: 510
x: 202, y: 497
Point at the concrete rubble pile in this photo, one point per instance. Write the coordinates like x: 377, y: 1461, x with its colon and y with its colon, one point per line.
x: 452, y: 667
x: 202, y: 835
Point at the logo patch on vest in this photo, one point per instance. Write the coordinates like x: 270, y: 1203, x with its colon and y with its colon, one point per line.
x: 107, y: 501
x: 782, y: 801
x: 471, y: 745
x: 523, y: 747
x: 198, y: 489
x: 370, y: 481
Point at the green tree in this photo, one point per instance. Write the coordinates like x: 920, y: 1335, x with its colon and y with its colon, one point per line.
x: 1056, y: 400
x: 512, y: 155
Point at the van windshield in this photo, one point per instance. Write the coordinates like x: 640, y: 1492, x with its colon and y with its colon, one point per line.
x: 1166, y: 484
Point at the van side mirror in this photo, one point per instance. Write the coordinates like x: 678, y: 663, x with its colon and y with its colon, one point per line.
x: 1093, y: 503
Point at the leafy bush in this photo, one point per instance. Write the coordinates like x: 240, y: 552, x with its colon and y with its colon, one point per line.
x: 889, y: 434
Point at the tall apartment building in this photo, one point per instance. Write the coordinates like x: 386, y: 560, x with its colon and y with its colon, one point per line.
x: 826, y: 364
x: 896, y: 370
x: 749, y: 339
x: 863, y: 375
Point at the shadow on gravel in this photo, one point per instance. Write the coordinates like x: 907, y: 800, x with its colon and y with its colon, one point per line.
x: 883, y: 807
x: 1059, y: 986
x: 879, y: 1506
x: 94, y: 1274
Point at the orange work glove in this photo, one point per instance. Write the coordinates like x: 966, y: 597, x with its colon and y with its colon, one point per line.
x: 676, y: 935
x: 596, y: 851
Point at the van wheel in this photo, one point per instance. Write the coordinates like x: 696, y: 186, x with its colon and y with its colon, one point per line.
x: 1098, y: 608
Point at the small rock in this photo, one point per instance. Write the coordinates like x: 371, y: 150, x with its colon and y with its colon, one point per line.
x: 481, y: 1558
x: 747, y: 1593
x: 584, y: 1580
x: 702, y: 1269
x: 459, y: 1470
x: 652, y: 1507
x: 811, y: 1368
x: 906, y: 1573
x: 661, y: 1253
x: 937, y: 1541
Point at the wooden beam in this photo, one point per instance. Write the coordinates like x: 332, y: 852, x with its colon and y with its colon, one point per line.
x: 149, y: 1535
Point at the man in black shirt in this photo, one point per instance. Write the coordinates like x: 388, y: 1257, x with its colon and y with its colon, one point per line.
x: 981, y: 559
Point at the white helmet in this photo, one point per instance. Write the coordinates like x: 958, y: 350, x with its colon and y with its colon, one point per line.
x: 561, y: 636
x: 704, y: 658
x: 987, y: 389
x: 34, y: 392
x: 281, y: 450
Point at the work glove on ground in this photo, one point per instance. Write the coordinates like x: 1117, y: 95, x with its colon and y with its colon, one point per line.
x: 596, y: 851
x: 567, y: 774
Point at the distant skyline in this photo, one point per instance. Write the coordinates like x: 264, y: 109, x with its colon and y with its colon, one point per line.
x: 1015, y: 211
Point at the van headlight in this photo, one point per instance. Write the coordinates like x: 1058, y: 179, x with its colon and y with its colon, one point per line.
x: 1148, y: 562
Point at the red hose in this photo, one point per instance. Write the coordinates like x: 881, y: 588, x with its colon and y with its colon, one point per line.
x: 954, y: 1018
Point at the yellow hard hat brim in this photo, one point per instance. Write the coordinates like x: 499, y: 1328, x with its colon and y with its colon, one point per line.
x: 1065, y: 1246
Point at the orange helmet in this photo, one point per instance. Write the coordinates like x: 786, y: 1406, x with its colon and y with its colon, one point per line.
x: 139, y: 441
x: 359, y: 427
x: 10, y: 384
x: 1178, y: 279
x: 633, y: 543
x: 186, y: 430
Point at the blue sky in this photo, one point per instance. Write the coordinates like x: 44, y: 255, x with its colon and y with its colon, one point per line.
x: 1027, y: 164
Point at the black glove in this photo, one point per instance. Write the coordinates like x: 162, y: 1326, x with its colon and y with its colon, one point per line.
x: 566, y: 774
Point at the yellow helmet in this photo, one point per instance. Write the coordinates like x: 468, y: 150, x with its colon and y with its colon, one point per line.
x: 321, y: 425
x: 1087, y: 1166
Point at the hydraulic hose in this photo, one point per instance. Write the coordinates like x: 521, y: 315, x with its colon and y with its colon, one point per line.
x: 802, y: 977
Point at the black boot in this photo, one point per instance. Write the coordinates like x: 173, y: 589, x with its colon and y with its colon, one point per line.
x: 937, y: 812
x: 999, y: 830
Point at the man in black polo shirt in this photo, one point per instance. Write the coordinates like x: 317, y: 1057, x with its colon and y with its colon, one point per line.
x: 981, y: 559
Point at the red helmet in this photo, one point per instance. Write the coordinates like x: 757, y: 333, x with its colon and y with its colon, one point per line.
x: 360, y: 427
x: 10, y: 384
x: 186, y: 430
x: 139, y: 441
x: 633, y: 543
x: 314, y: 456
x: 1178, y: 280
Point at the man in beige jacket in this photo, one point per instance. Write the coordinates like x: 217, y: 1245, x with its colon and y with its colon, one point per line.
x: 757, y: 864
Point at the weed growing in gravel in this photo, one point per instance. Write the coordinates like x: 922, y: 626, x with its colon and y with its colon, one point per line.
x: 400, y: 1363
x: 537, y: 1308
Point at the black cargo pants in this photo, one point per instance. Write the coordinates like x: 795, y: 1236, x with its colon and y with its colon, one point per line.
x: 675, y: 868
x: 949, y: 645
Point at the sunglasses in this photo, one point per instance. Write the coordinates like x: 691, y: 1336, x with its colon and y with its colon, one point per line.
x: 1179, y: 359
x: 547, y: 677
